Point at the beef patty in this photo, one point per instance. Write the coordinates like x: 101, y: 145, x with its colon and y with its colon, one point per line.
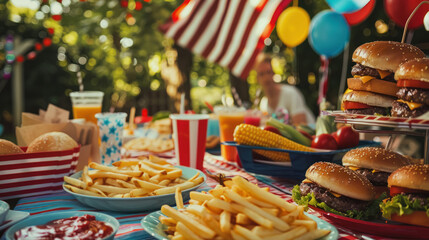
x: 376, y: 178
x: 362, y: 70
x: 400, y: 109
x: 414, y: 95
x: 341, y: 203
x: 369, y: 111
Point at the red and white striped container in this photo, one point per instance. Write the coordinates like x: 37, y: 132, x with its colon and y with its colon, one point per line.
x: 189, y: 134
x: 31, y: 174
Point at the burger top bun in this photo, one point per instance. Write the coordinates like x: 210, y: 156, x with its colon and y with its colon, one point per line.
x: 8, y: 147
x: 341, y: 180
x: 385, y: 55
x: 416, y: 69
x: 52, y: 141
x: 368, y: 98
x: 375, y: 158
x: 411, y: 176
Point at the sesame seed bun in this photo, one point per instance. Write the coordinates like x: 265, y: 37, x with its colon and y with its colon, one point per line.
x: 369, y: 98
x: 341, y: 180
x: 385, y: 55
x: 411, y: 176
x: 416, y: 69
x: 374, y: 85
x: 375, y: 158
x: 8, y: 147
x: 52, y: 141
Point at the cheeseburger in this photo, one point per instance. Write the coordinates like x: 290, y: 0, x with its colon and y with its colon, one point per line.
x: 375, y: 164
x: 413, y: 79
x: 338, y: 190
x: 373, y: 85
x: 409, y: 191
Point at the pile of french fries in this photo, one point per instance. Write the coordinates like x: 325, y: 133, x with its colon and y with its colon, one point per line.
x: 239, y: 210
x: 131, y: 177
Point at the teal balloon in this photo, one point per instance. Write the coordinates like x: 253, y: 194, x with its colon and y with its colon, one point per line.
x: 329, y: 33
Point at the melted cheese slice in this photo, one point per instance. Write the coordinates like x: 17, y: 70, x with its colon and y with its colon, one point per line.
x: 383, y: 74
x: 353, y: 168
x: 374, y: 171
x: 307, y: 181
x: 411, y: 105
x: 335, y: 194
x: 364, y: 79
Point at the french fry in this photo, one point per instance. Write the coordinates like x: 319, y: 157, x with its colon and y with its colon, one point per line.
x: 151, y: 171
x: 262, y: 195
x: 168, y: 190
x: 114, y: 170
x: 140, y: 192
x: 225, y: 221
x: 292, y: 234
x: 167, y: 221
x: 146, y: 184
x: 316, y: 234
x: 242, y: 219
x: 253, y: 216
x: 112, y: 181
x: 98, y: 191
x: 126, y: 162
x: 85, y: 178
x: 186, y: 232
x: 309, y: 224
x: 179, y: 199
x: 102, y: 174
x: 165, y: 182
x: 158, y: 166
x: 246, y: 233
x: 112, y: 189
x: 126, y: 184
x: 202, y: 230
x: 81, y: 191
x: 220, y: 204
x: 75, y: 182
x: 173, y: 174
x: 201, y: 197
x: 237, y: 236
x: 261, y: 231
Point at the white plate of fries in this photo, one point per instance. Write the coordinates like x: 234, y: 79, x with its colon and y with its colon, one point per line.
x: 239, y: 210
x: 132, y: 185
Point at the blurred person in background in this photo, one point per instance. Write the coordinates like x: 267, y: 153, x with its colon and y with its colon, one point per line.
x: 281, y: 96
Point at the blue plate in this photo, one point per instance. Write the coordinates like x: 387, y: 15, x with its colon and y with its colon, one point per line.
x: 44, y: 218
x: 138, y: 204
x: 300, y: 161
x: 154, y: 227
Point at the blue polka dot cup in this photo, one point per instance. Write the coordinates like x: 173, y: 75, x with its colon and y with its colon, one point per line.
x: 111, y: 127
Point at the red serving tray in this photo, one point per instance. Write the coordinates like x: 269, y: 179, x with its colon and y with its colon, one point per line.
x: 390, y: 229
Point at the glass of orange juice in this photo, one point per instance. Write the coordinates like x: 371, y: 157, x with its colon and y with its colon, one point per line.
x: 229, y: 118
x: 86, y: 104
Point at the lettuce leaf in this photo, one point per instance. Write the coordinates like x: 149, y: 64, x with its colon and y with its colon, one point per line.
x: 400, y: 205
x: 371, y: 212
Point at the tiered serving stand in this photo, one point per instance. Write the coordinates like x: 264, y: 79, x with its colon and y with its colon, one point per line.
x: 394, y: 126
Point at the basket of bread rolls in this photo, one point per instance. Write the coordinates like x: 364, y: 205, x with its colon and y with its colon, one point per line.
x: 39, y: 168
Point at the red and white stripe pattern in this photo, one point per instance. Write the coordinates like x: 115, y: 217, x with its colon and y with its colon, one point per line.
x: 228, y: 32
x: 31, y: 174
x: 189, y: 134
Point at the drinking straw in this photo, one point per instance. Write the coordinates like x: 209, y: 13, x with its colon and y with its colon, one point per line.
x: 182, y: 103
x: 209, y: 106
x: 79, y: 81
x: 236, y: 97
x: 409, y: 19
x: 132, y: 115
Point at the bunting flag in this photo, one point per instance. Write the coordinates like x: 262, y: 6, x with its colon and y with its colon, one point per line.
x: 228, y: 32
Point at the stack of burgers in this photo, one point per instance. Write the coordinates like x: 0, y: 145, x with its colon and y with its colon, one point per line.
x: 373, y: 89
x: 353, y: 190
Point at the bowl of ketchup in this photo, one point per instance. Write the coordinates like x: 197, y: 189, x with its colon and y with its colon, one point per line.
x: 65, y: 225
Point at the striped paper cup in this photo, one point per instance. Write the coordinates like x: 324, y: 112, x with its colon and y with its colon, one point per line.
x: 32, y: 174
x: 189, y: 134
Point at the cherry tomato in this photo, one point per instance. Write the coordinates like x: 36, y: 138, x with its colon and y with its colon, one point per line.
x: 272, y: 129
x: 346, y: 137
x: 324, y: 141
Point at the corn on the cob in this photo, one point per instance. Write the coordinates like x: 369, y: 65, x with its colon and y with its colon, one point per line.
x: 246, y: 134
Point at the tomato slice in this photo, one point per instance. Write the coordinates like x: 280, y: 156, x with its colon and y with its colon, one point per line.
x: 395, y: 190
x: 412, y: 83
x: 355, y: 105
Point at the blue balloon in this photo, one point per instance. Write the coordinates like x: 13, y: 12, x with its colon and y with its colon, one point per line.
x: 329, y: 33
x: 346, y: 6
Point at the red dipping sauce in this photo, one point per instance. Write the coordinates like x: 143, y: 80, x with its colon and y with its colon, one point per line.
x: 84, y: 227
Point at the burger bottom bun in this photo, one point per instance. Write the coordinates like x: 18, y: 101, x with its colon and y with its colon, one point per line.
x: 369, y: 98
x: 374, y: 85
x: 416, y: 218
x: 8, y: 147
x: 52, y: 141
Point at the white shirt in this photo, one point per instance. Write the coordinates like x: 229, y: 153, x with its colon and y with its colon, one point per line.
x: 291, y: 99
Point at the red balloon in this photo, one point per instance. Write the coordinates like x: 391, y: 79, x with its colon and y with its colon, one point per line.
x: 360, y: 15
x: 399, y: 11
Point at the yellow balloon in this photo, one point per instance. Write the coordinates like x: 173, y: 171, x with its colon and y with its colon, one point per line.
x: 292, y: 26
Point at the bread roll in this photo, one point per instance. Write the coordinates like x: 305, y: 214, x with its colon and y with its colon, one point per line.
x: 8, y: 147
x: 52, y: 141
